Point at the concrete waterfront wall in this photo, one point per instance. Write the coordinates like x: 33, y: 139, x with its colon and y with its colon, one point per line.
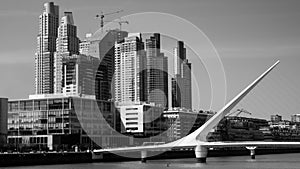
x: 23, y: 159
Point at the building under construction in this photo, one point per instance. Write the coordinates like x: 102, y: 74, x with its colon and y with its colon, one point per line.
x: 237, y: 128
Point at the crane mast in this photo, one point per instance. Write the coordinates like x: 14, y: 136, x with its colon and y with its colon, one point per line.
x: 102, y: 16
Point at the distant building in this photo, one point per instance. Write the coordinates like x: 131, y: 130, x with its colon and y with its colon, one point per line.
x: 235, y: 128
x: 182, y: 81
x: 3, y: 120
x: 285, y: 130
x: 276, y: 118
x: 46, y: 46
x: 56, y: 122
x: 280, y: 124
x: 295, y: 118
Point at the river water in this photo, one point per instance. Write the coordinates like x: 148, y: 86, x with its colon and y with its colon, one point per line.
x: 274, y: 161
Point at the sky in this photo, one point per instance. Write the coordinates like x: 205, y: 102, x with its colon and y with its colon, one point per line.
x: 249, y: 36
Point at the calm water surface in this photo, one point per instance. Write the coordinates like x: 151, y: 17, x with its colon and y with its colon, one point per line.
x: 276, y: 161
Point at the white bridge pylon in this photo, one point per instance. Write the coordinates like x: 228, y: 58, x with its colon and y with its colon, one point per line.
x: 198, y: 139
x: 201, y: 133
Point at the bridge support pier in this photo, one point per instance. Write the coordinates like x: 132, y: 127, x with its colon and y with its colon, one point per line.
x: 252, y: 151
x: 143, y: 156
x: 201, y: 153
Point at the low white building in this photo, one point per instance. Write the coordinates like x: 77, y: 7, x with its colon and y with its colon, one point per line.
x: 140, y: 117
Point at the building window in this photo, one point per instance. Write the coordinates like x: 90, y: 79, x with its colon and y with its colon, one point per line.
x: 131, y: 123
x: 131, y: 108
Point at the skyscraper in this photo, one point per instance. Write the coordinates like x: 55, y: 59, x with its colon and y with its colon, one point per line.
x: 102, y: 46
x: 181, y: 82
x: 44, y: 56
x: 156, y: 72
x: 80, y: 73
x: 129, y: 63
x: 67, y: 44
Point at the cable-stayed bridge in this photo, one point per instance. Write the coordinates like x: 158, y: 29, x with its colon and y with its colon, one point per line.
x: 197, y: 139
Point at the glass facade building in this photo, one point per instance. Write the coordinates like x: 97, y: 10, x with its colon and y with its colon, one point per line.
x: 102, y: 46
x: 63, y: 121
x: 81, y: 75
x: 182, y: 80
x: 156, y: 72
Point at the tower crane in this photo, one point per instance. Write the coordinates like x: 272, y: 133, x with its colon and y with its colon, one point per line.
x: 239, y: 111
x: 121, y: 22
x: 102, y: 15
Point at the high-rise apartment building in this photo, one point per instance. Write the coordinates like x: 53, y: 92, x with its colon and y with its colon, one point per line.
x: 44, y: 56
x: 141, y: 73
x: 129, y: 63
x: 156, y: 72
x: 182, y: 81
x: 67, y: 44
